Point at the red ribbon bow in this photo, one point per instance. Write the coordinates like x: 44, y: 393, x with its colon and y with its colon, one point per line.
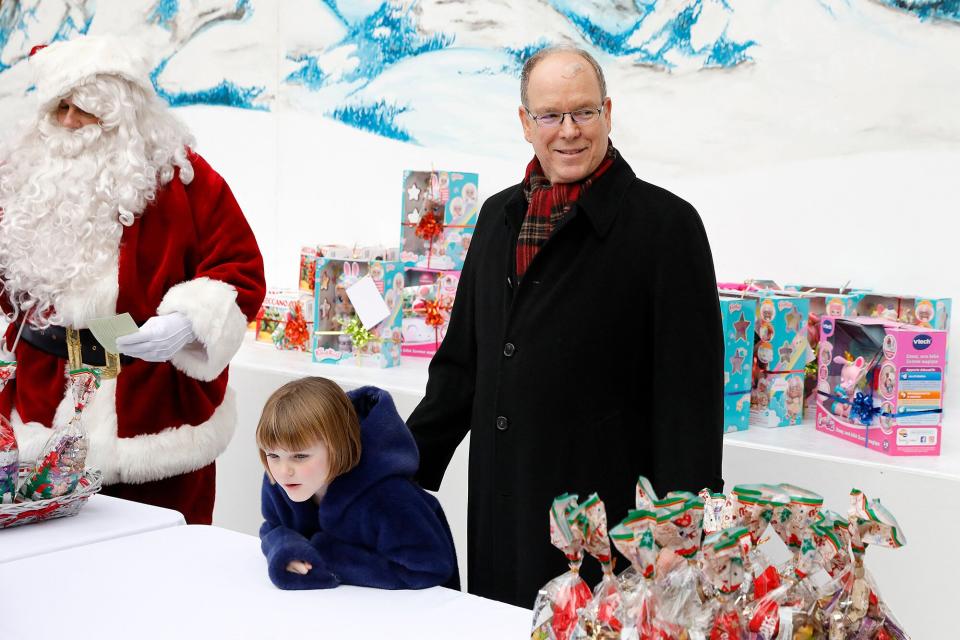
x: 430, y: 227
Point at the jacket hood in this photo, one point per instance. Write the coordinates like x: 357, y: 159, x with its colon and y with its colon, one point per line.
x: 387, y: 449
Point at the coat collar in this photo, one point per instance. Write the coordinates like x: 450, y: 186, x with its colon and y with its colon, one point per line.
x: 600, y: 203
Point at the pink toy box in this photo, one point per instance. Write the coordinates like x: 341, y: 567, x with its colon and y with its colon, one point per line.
x: 880, y: 384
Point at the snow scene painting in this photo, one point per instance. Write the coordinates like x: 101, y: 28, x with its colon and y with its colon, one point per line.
x: 700, y: 83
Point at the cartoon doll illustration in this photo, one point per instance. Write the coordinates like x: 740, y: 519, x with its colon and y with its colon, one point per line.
x: 924, y: 314
x: 767, y: 310
x: 794, y: 402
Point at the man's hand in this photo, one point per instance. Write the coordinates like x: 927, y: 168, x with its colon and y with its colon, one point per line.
x: 299, y: 566
x: 159, y: 338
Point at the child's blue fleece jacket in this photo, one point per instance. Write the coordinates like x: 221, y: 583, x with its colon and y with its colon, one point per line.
x: 374, y: 527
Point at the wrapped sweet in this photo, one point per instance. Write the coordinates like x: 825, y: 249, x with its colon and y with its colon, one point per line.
x: 560, y: 600
x: 634, y: 539
x: 9, y: 453
x: 9, y: 461
x: 63, y: 457
x: 856, y: 610
x: 678, y: 532
x: 724, y: 556
x: 602, y: 617
x: 804, y: 513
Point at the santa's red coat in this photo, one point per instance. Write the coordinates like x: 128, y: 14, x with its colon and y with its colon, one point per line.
x: 156, y: 430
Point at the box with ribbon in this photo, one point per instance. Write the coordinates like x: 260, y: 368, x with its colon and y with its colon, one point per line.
x: 348, y: 328
x: 285, y: 319
x: 836, y: 302
x: 738, y: 315
x: 781, y: 351
x: 439, y: 212
x: 880, y: 384
x: 427, y: 302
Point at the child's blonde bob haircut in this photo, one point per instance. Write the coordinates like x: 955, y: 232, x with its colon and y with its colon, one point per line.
x: 308, y: 411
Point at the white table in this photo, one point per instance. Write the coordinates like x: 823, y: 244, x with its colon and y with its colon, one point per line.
x: 102, y: 518
x: 208, y: 582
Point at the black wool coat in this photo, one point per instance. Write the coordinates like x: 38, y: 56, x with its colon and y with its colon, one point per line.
x: 603, y: 363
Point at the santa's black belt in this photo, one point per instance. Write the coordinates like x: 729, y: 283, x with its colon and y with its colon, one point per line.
x: 53, y: 340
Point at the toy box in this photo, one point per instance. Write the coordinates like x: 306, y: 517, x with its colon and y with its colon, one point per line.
x: 427, y: 301
x: 439, y: 214
x: 880, y: 384
x: 338, y: 335
x: 781, y: 351
x: 285, y: 319
x: 929, y: 313
x: 824, y: 301
x: 738, y: 315
x: 309, y: 255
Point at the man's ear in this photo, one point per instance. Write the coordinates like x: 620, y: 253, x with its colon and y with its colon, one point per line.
x: 527, y: 123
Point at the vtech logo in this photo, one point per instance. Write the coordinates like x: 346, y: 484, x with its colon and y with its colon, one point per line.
x: 922, y: 341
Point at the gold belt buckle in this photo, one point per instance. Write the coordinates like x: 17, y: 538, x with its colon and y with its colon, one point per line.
x: 111, y: 368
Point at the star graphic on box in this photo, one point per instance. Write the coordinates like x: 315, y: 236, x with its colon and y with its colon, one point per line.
x: 740, y: 326
x: 793, y: 319
x: 413, y: 192
x: 736, y: 362
x: 786, y: 351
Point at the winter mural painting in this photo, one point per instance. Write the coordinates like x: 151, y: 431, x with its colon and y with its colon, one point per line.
x: 704, y: 84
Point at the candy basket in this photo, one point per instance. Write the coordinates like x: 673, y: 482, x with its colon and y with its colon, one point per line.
x: 12, y: 515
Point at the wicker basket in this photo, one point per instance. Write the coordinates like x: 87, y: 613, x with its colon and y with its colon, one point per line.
x: 12, y: 515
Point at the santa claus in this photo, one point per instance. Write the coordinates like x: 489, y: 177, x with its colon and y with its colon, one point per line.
x: 105, y: 209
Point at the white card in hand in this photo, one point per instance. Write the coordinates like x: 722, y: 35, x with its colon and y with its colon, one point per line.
x: 368, y: 302
x: 107, y: 330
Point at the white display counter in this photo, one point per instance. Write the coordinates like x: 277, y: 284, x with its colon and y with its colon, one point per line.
x: 208, y: 582
x: 102, y: 518
x: 923, y: 493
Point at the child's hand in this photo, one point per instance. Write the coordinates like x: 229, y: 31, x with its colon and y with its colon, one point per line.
x: 299, y: 566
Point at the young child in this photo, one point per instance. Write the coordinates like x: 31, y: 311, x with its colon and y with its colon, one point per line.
x: 338, y: 502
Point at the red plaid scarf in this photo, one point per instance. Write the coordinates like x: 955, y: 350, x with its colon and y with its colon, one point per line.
x: 548, y: 205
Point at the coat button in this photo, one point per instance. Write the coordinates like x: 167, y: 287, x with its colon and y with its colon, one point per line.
x: 502, y: 423
x: 509, y: 349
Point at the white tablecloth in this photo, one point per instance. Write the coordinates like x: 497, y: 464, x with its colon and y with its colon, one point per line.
x: 102, y: 518
x: 208, y: 582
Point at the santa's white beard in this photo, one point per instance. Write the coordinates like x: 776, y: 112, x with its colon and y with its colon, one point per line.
x: 59, y: 230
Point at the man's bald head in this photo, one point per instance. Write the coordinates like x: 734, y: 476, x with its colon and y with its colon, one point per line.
x: 573, y: 69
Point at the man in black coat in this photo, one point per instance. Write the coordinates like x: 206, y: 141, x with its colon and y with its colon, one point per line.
x: 585, y: 345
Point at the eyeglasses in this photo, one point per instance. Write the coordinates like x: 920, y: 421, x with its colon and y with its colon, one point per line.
x: 580, y: 116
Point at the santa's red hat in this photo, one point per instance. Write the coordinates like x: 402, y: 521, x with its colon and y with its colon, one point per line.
x: 60, y: 67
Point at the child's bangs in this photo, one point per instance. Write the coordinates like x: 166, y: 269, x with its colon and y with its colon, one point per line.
x: 290, y: 432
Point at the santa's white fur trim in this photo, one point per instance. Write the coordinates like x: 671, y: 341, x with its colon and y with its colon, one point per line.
x: 63, y: 65
x: 218, y: 323
x: 143, y: 458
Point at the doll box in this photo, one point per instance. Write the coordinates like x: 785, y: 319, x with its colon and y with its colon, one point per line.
x: 337, y: 332
x: 439, y: 214
x: 738, y: 315
x: 930, y: 313
x: 427, y: 302
x: 780, y: 354
x: 880, y: 384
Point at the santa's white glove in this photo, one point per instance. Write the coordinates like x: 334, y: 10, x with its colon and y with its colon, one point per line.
x: 159, y: 339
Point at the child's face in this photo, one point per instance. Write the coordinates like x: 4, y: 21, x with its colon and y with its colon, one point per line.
x: 302, y: 474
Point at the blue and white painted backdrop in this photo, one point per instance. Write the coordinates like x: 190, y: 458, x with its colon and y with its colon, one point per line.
x: 782, y: 120
x: 819, y: 139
